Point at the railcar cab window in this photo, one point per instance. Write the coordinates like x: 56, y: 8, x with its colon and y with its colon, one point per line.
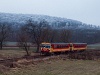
x: 45, y: 46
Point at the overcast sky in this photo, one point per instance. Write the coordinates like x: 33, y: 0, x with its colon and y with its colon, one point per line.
x: 87, y: 11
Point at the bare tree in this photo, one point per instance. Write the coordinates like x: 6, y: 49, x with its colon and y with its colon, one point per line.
x: 53, y: 35
x: 5, y: 30
x: 23, y: 40
x: 48, y: 35
x: 42, y: 32
x: 65, y: 35
x: 36, y: 31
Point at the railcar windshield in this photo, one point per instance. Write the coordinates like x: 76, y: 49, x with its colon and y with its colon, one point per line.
x: 45, y: 46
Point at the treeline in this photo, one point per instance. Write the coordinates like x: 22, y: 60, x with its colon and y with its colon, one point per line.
x: 90, y: 36
x: 40, y: 31
x: 34, y: 32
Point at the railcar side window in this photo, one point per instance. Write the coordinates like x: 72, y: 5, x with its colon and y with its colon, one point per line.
x: 55, y: 46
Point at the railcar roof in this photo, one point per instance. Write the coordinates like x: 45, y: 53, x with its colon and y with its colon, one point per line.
x: 64, y: 43
x: 60, y: 43
x: 55, y: 43
x: 79, y: 43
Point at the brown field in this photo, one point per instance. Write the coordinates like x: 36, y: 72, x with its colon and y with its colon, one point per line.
x: 13, y: 63
x: 54, y: 67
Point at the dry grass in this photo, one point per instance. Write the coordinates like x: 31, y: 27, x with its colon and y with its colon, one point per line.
x: 11, y: 53
x: 58, y: 67
x: 55, y: 66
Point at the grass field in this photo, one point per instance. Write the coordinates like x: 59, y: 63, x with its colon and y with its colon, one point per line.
x: 94, y: 46
x: 89, y: 47
x: 56, y: 66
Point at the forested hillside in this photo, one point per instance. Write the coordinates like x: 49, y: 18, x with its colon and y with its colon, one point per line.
x: 76, y: 31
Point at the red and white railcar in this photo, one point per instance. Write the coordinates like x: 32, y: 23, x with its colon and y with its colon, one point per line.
x: 62, y: 47
x: 78, y: 46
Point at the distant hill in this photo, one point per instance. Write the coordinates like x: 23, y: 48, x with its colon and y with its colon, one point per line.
x: 80, y: 32
x: 55, y: 22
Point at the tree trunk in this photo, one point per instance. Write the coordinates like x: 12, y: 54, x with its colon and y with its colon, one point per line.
x: 38, y: 47
x: 0, y: 45
x: 26, y: 51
